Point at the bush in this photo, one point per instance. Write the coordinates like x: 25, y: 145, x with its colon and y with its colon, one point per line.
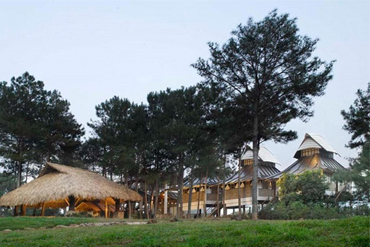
x: 298, y: 210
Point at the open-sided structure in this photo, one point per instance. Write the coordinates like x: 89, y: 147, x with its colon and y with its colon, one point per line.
x: 60, y: 186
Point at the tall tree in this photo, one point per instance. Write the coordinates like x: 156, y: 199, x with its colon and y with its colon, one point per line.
x: 115, y: 136
x: 267, y: 71
x: 179, y: 114
x: 358, y: 124
x: 35, y: 124
x: 358, y: 119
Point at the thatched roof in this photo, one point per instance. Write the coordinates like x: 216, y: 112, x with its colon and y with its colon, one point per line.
x: 57, y: 182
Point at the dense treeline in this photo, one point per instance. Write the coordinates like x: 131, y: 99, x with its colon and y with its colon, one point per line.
x: 254, y: 84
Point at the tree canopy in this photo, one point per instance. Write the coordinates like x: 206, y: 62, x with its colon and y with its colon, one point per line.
x: 358, y: 119
x: 35, y: 125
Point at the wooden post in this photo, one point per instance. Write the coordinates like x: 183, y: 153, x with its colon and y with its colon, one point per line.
x: 72, y: 201
x: 23, y: 210
x: 43, y: 209
x: 106, y: 208
x: 117, y: 201
x: 15, y: 211
x: 129, y: 209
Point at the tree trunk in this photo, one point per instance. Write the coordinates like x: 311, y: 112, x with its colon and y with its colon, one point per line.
x: 156, y: 197
x: 218, y: 197
x: 239, y: 194
x: 20, y: 164
x: 255, y: 170
x: 205, y: 194
x: 200, y: 183
x: 190, y: 194
x: 151, y: 199
x: 223, y: 188
x: 129, y: 209
x: 180, y: 187
x: 19, y: 174
x: 146, y: 208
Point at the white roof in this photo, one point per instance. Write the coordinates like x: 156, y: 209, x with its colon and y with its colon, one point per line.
x: 264, y: 154
x: 313, y: 140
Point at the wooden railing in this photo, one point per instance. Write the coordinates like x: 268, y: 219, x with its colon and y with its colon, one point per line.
x: 265, y: 192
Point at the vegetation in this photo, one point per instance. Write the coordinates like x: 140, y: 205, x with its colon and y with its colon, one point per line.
x: 267, y: 73
x: 298, y: 210
x: 343, y: 232
x: 35, y: 126
x: 357, y: 124
x: 358, y: 119
x: 303, y: 196
x: 309, y: 187
x: 20, y: 223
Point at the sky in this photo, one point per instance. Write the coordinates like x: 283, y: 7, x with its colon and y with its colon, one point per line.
x: 91, y: 51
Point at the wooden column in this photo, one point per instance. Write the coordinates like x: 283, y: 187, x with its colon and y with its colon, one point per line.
x: 117, y: 201
x: 16, y: 211
x: 72, y: 201
x: 23, y: 210
x: 43, y: 209
x: 106, y: 208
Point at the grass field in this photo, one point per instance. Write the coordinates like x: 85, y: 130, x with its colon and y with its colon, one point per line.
x: 343, y: 232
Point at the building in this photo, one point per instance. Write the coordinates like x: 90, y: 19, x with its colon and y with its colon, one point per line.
x: 315, y: 153
x: 209, y: 195
x: 60, y: 186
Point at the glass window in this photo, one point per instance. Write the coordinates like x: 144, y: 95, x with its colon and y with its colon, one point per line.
x: 310, y: 151
x: 248, y: 162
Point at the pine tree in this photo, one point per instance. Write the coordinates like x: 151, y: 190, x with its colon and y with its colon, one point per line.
x: 266, y: 70
x: 35, y: 125
x: 358, y: 119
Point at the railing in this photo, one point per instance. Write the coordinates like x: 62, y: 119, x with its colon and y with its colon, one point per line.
x: 265, y: 192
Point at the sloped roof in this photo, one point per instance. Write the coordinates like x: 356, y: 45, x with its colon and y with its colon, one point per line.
x: 57, y: 182
x: 313, y: 140
x: 314, y: 162
x: 264, y: 154
x: 264, y: 171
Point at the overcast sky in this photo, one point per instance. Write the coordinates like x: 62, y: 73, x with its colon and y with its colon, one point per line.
x: 93, y: 50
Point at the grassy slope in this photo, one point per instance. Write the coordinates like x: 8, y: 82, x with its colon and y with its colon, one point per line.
x: 344, y: 232
x: 15, y: 223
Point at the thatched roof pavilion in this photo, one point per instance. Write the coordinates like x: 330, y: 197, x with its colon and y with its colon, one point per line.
x: 59, y: 186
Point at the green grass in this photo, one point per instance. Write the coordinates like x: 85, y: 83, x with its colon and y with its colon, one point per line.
x: 19, y: 223
x: 343, y: 232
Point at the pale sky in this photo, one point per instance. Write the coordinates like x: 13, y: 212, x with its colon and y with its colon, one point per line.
x: 91, y: 51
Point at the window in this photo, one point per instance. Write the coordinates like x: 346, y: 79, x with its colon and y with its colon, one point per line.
x: 310, y: 151
x: 248, y: 162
